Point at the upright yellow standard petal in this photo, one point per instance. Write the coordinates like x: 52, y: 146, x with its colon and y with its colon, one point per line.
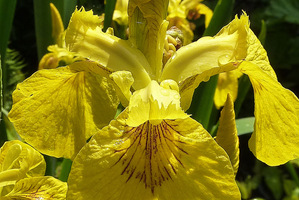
x: 227, y: 136
x: 57, y: 110
x: 40, y: 188
x: 275, y: 139
x: 173, y: 159
x: 85, y: 37
x: 18, y: 160
x: 147, y: 27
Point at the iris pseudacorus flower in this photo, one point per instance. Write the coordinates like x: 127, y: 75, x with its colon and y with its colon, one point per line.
x: 153, y: 150
x: 22, y: 170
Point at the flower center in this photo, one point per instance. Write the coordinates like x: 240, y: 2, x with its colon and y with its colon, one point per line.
x: 173, y: 41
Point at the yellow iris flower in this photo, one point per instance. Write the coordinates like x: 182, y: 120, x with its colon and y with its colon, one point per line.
x: 153, y: 150
x: 22, y: 174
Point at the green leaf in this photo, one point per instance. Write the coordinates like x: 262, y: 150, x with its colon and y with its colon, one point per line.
x: 10, y: 129
x: 43, y: 24
x: 109, y: 9
x: 7, y: 10
x: 0, y: 90
x: 205, y: 94
x: 65, y: 169
x: 273, y: 181
x: 245, y: 125
x: 221, y: 16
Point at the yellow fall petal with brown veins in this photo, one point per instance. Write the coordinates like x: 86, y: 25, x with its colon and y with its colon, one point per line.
x: 275, y: 138
x: 57, y: 110
x: 38, y: 188
x: 159, y: 158
x: 227, y: 136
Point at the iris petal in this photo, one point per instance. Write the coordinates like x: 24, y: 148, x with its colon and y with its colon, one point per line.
x: 275, y: 139
x: 57, y: 110
x: 174, y: 159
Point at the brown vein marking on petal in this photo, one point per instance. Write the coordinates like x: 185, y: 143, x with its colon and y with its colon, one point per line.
x: 154, y: 154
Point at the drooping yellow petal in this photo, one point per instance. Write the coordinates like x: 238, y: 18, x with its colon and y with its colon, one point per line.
x: 147, y: 27
x: 275, y: 139
x: 38, y: 188
x: 57, y: 110
x: 227, y: 136
x: 227, y: 84
x: 174, y: 159
x: 18, y: 160
x: 85, y: 37
x: 155, y: 103
x: 57, y: 26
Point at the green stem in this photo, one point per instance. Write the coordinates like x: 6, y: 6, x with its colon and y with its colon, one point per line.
x: 292, y: 172
x: 65, y: 169
x: 205, y: 102
x: 51, y: 165
x: 43, y: 26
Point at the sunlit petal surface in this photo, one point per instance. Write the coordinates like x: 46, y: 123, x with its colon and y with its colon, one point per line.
x: 275, y: 139
x: 174, y: 159
x: 163, y: 154
x: 155, y: 103
x: 85, y: 37
x: 57, y: 110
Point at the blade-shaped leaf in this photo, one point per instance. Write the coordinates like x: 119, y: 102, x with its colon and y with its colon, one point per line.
x: 245, y: 125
